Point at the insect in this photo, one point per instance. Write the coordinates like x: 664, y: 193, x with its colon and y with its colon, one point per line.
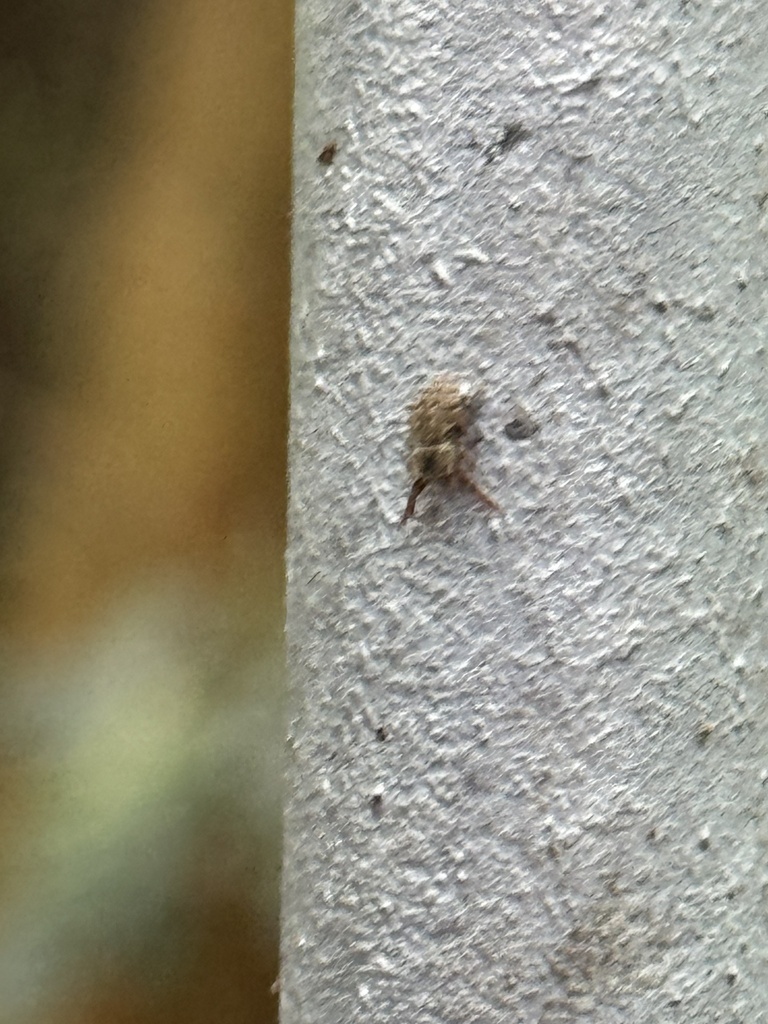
x: 439, y: 439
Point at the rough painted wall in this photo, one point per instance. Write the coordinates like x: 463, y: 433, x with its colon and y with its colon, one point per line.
x: 529, y: 753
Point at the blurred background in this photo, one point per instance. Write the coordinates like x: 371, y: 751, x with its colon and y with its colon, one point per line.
x: 144, y: 278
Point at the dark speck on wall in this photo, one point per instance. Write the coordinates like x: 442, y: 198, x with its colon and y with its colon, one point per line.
x: 328, y: 154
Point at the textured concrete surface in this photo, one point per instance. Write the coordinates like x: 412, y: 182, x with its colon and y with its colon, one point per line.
x: 529, y: 754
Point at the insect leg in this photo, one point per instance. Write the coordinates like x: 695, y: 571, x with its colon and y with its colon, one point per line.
x: 466, y: 481
x: 416, y: 490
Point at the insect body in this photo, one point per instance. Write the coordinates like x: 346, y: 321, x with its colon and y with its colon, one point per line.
x: 439, y: 437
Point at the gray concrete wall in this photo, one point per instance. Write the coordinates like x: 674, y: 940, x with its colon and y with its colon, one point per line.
x: 529, y: 754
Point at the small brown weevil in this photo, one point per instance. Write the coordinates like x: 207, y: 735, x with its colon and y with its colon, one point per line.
x: 439, y: 440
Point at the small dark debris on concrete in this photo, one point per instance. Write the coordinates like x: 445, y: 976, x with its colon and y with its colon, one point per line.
x: 546, y: 317
x: 522, y: 425
x: 514, y: 133
x: 704, y: 731
x: 328, y: 154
